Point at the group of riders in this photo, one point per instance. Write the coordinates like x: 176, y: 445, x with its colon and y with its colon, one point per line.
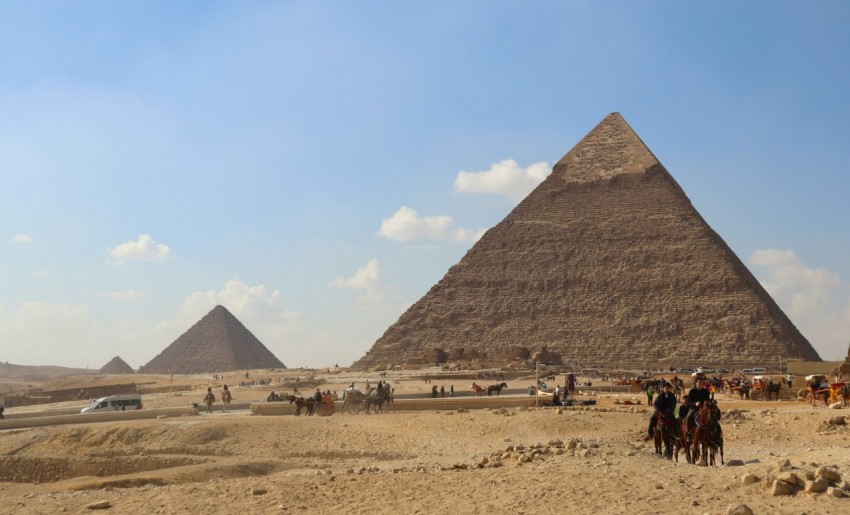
x: 666, y: 401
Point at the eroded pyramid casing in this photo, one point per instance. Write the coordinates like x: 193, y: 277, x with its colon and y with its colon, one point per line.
x: 605, y: 263
x: 216, y: 343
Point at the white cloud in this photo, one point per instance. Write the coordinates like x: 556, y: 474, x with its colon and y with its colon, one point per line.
x: 123, y: 295
x: 366, y: 277
x: 377, y: 296
x: 22, y: 239
x: 816, y: 300
x: 44, y: 274
x: 505, y: 178
x: 406, y: 225
x: 145, y: 249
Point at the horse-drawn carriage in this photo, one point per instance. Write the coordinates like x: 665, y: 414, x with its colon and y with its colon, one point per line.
x: 325, y: 408
x: 737, y: 386
x: 817, y: 385
x: 765, y: 387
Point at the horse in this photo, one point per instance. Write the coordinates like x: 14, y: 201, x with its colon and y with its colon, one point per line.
x: 301, y: 402
x: 708, y: 436
x: 378, y: 399
x: 477, y: 391
x: 496, y: 388
x: 681, y: 441
x: 772, y: 389
x: 209, y: 399
x: 225, y: 401
x: 663, y: 433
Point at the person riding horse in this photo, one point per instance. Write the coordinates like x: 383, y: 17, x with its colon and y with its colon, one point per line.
x: 696, y: 396
x: 665, y: 402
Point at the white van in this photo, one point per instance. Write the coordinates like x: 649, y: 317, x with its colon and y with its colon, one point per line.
x: 114, y: 403
x: 759, y: 370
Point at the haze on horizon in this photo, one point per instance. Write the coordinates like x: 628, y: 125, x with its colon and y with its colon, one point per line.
x: 317, y: 167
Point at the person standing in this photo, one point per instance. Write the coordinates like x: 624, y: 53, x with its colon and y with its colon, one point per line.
x: 452, y: 391
x: 649, y: 394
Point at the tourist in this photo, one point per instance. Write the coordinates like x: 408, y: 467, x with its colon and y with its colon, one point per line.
x: 649, y: 393
x: 442, y: 391
x: 666, y: 401
x: 452, y: 391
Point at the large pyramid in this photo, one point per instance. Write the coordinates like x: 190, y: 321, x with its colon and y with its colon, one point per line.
x: 605, y: 263
x: 116, y: 365
x: 216, y: 343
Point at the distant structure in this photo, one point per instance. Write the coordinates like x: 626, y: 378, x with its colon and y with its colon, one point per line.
x: 216, y: 343
x: 116, y: 366
x: 606, y: 263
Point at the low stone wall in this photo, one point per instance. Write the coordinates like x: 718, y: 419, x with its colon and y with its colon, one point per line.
x: 446, y: 403
x: 107, y: 416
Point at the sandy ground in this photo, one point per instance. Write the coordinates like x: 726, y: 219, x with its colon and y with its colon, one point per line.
x: 526, y: 460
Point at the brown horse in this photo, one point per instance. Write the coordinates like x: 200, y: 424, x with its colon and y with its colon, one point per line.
x: 209, y: 399
x: 681, y: 442
x: 663, y: 433
x: 477, y: 391
x: 708, y: 436
x: 301, y: 402
x: 496, y: 388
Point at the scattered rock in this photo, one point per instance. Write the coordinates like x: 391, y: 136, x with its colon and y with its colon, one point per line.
x: 100, y: 505
x: 781, y: 488
x: 750, y: 478
x: 791, y: 478
x: 835, y: 492
x: 258, y: 491
x: 735, y: 463
x: 829, y: 473
x: 738, y: 509
x: 817, y: 486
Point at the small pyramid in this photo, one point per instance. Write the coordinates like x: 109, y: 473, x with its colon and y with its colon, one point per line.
x: 116, y: 366
x: 216, y: 343
x: 606, y: 263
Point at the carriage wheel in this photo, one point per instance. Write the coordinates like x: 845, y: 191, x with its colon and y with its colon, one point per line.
x: 325, y: 410
x: 352, y: 408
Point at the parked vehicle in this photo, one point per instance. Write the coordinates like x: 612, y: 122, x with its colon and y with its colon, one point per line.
x: 114, y: 403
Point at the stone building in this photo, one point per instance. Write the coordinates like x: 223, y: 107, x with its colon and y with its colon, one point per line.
x: 605, y: 263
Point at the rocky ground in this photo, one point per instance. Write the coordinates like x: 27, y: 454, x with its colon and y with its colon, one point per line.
x: 781, y: 457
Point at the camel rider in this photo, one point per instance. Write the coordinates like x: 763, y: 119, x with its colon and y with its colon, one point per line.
x: 665, y: 401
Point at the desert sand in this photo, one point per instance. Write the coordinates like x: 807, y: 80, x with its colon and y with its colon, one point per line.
x: 510, y: 460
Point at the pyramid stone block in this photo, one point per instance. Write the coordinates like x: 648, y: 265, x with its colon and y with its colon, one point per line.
x: 605, y: 263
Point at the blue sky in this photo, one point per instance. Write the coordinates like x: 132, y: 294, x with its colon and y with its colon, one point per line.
x: 317, y: 166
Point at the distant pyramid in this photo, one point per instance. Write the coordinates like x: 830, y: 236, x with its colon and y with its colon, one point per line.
x: 605, y: 263
x: 216, y: 343
x: 116, y: 366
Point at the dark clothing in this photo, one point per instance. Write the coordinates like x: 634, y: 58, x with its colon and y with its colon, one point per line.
x: 696, y: 395
x: 665, y: 402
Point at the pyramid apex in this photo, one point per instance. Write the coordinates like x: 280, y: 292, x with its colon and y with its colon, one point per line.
x: 610, y: 149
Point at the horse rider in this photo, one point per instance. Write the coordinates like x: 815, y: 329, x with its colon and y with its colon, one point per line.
x: 665, y: 401
x: 696, y: 396
x: 225, y: 392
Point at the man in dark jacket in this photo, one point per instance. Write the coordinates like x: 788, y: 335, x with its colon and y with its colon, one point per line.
x: 665, y: 401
